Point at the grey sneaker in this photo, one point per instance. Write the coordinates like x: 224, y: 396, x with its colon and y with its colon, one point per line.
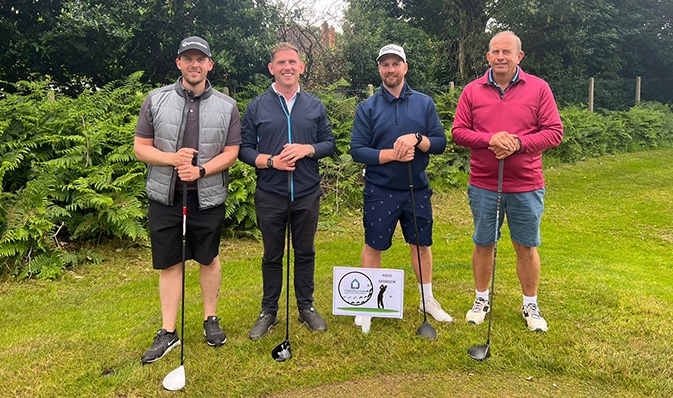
x: 215, y: 336
x: 264, y: 324
x: 163, y: 344
x: 312, y: 320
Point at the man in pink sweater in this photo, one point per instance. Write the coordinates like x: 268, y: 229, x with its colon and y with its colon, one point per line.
x: 507, y: 114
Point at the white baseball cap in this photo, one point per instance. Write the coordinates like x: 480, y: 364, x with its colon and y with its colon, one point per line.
x: 392, y: 49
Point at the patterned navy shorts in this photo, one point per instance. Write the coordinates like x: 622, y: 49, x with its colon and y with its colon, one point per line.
x: 383, y: 208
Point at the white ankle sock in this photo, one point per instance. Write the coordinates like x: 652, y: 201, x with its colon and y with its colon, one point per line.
x: 483, y: 295
x: 427, y: 291
x: 529, y: 300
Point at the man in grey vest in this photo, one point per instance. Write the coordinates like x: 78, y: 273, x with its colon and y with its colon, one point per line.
x: 189, y: 135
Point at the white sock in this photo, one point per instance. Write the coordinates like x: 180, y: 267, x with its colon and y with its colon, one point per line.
x: 529, y: 300
x: 483, y: 295
x: 427, y: 291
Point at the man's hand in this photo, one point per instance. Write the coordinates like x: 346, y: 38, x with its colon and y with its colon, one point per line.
x: 404, y: 147
x: 503, y: 144
x: 184, y: 159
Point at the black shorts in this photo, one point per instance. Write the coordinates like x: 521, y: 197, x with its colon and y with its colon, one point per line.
x: 202, y: 233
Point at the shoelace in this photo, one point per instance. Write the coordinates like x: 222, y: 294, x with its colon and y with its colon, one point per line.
x: 479, y: 304
x: 533, y: 311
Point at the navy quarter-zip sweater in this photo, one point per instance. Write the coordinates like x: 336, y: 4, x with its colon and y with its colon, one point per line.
x: 380, y: 120
x: 264, y: 129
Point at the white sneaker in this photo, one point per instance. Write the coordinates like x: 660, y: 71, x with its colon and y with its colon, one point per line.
x: 433, y: 308
x: 535, y: 321
x: 477, y: 313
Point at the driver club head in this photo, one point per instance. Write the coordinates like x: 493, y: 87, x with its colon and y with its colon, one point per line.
x: 480, y: 352
x: 426, y: 330
x: 282, y: 352
x: 175, y: 380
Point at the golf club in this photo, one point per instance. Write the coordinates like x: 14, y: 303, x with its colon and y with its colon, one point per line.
x: 175, y: 380
x: 426, y: 330
x: 282, y: 352
x: 481, y: 352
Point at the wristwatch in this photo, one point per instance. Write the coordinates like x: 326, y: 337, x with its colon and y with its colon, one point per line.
x: 269, y: 162
x: 202, y: 171
x: 419, y: 137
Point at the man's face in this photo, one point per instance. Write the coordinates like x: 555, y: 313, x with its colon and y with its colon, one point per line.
x: 194, y: 66
x: 286, y: 68
x: 504, y: 55
x: 392, y: 70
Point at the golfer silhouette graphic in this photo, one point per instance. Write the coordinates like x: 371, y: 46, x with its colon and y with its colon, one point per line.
x: 382, y: 290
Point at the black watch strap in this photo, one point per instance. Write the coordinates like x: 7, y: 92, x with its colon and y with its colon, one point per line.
x: 419, y: 139
x: 269, y: 162
x: 202, y: 171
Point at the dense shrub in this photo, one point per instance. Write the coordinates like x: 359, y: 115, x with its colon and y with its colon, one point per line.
x: 589, y: 134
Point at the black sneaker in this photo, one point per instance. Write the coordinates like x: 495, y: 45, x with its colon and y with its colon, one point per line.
x: 215, y: 336
x: 264, y: 324
x: 163, y: 343
x: 312, y: 320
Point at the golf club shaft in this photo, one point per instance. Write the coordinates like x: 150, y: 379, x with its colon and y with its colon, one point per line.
x: 287, y: 275
x: 495, y: 248
x: 184, y: 256
x: 418, y: 248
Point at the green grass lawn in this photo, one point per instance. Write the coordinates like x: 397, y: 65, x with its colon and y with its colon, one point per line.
x: 606, y: 291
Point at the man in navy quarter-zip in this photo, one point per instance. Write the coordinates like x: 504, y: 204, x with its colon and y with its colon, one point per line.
x: 286, y: 130
x: 393, y: 128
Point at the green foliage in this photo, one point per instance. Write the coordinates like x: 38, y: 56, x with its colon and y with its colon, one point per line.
x: 590, y: 134
x: 68, y: 174
x: 83, y: 44
x: 240, y: 214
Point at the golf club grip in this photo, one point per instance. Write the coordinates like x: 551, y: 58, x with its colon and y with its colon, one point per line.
x: 501, y: 168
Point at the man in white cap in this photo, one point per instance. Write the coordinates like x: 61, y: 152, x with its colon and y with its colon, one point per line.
x: 189, y: 135
x: 394, y: 133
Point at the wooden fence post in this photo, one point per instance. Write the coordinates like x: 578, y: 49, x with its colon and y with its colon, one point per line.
x: 452, y: 89
x: 591, y: 94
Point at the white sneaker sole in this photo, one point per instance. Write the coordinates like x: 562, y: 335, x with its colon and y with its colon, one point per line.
x: 475, y: 320
x: 447, y: 319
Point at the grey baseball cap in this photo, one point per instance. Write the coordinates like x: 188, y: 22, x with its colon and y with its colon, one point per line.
x: 392, y: 49
x: 194, y: 43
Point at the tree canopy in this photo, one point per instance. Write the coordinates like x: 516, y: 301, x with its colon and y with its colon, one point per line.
x: 85, y: 43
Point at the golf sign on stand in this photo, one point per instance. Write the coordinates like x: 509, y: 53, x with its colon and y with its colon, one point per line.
x: 368, y: 292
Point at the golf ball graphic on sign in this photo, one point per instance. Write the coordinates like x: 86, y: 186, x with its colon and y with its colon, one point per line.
x: 355, y: 288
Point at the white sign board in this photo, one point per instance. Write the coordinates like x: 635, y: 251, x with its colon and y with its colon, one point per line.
x: 376, y: 292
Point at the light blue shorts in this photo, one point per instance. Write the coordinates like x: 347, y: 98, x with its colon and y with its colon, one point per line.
x: 523, y: 210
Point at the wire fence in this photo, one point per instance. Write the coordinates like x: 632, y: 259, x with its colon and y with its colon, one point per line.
x: 608, y: 94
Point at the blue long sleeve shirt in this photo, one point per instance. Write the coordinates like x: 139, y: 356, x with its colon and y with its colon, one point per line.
x: 380, y: 120
x: 264, y: 129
